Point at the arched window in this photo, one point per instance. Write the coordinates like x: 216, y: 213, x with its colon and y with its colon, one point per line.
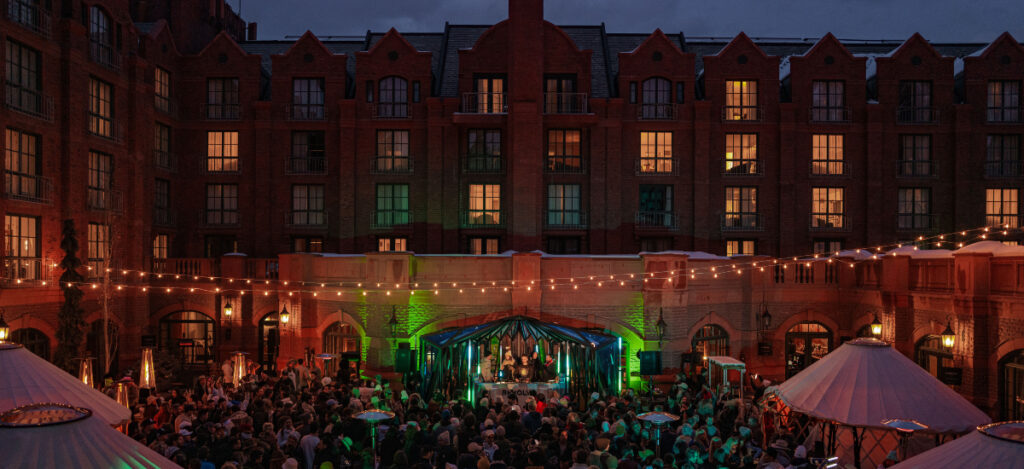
x: 269, y: 341
x: 34, y: 340
x: 1011, y: 386
x: 806, y: 343
x: 101, y: 36
x: 343, y: 341
x: 931, y: 355
x: 394, y: 98
x: 711, y: 340
x: 188, y: 335
x: 95, y: 346
x: 657, y: 99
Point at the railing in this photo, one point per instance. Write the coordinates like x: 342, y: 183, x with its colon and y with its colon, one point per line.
x: 28, y: 188
x: 742, y: 221
x: 1004, y: 168
x: 390, y: 219
x: 564, y: 165
x: 917, y: 115
x: 478, y: 164
x: 29, y: 102
x: 1011, y: 221
x: 105, y: 55
x: 389, y: 110
x: 29, y: 15
x: 220, y: 218
x: 24, y: 271
x: 737, y: 167
x: 392, y: 165
x: 838, y: 115
x: 307, y: 112
x: 165, y: 106
x: 262, y: 268
x: 829, y: 222
x: 165, y: 160
x: 105, y: 200
x: 306, y: 219
x: 164, y: 217
x: 482, y: 219
x: 1005, y: 115
x: 657, y: 112
x: 104, y: 127
x: 741, y: 113
x: 915, y: 168
x: 656, y: 167
x: 218, y: 111
x: 655, y: 220
x: 565, y: 103
x: 828, y: 168
x: 565, y: 220
x: 484, y: 103
x: 231, y: 165
x: 185, y: 266
x: 306, y: 165
x: 916, y: 221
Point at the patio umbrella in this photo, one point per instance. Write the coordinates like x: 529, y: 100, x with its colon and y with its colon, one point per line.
x: 996, y: 445
x: 26, y: 378
x: 57, y: 435
x: 865, y: 382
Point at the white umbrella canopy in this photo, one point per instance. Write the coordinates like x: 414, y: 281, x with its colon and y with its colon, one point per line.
x: 997, y: 445
x: 57, y: 435
x: 26, y: 378
x: 865, y: 382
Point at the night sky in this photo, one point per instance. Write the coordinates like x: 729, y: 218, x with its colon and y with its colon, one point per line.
x: 937, y: 20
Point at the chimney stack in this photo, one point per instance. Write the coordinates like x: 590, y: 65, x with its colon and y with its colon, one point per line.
x: 251, y: 32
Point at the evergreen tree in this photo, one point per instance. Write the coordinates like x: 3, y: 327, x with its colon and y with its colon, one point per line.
x: 70, y: 329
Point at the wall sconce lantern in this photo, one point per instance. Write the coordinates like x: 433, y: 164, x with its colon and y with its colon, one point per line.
x: 284, y: 316
x: 228, y: 310
x: 876, y: 328
x: 948, y: 336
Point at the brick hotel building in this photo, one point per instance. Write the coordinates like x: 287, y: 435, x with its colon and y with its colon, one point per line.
x: 174, y: 140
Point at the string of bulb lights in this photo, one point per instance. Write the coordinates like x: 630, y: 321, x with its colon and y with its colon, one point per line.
x: 632, y: 279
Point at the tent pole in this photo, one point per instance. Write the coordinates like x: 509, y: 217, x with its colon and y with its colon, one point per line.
x: 856, y: 447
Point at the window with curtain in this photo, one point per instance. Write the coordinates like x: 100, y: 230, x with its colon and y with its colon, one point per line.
x: 564, y: 205
x: 393, y: 98
x: 827, y: 207
x: 656, y: 153
x: 392, y: 205
x: 484, y: 204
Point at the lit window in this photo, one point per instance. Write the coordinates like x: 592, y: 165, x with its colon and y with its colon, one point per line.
x: 101, y: 108
x: 22, y: 166
x: 1001, y: 207
x: 564, y: 151
x: 739, y: 247
x: 656, y: 152
x: 162, y: 89
x: 488, y: 96
x: 22, y: 250
x: 392, y: 151
x: 160, y: 246
x: 483, y: 245
x: 741, y: 154
x: 1004, y: 101
x: 484, y: 205
x: 741, y: 209
x: 827, y: 207
x: 827, y: 155
x: 740, y: 101
x: 391, y: 244
x: 221, y: 151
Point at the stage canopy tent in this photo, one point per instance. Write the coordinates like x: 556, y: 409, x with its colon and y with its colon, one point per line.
x: 865, y: 382
x: 446, y: 354
x: 997, y: 445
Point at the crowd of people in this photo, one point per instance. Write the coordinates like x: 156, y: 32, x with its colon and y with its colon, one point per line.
x: 298, y: 418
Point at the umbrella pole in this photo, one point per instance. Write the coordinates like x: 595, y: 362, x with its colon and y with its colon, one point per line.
x: 856, y: 447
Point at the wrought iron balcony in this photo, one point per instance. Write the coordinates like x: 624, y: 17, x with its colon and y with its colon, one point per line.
x: 742, y: 221
x: 392, y: 165
x: 105, y: 200
x: 742, y: 113
x: 565, y: 220
x: 915, y: 168
x: 656, y: 167
x: 1005, y: 115
x: 392, y: 219
x: 221, y: 111
x: 483, y: 164
x: 105, y: 55
x: 916, y: 222
x: 657, y: 112
x: 30, y: 102
x: 28, y: 188
x: 828, y: 168
x: 829, y: 114
x: 390, y: 110
x: 306, y: 219
x: 165, y: 160
x: 307, y: 112
x: 565, y: 103
x: 164, y: 217
x: 746, y: 167
x: 483, y: 219
x: 917, y: 115
x: 484, y: 103
x: 829, y: 222
x: 1004, y: 169
x: 655, y: 220
x: 29, y: 15
x: 564, y: 165
x: 306, y: 166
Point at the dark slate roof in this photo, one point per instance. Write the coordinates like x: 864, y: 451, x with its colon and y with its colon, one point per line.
x: 458, y: 38
x: 592, y: 38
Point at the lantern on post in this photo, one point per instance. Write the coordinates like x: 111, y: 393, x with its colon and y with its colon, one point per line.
x: 284, y: 315
x: 5, y: 330
x: 238, y: 371
x: 660, y: 326
x: 876, y: 328
x: 147, y: 375
x: 228, y: 310
x: 85, y: 372
x: 766, y: 319
x: 948, y: 336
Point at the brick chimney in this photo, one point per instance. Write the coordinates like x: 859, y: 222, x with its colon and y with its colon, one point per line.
x: 251, y: 32
x: 526, y: 20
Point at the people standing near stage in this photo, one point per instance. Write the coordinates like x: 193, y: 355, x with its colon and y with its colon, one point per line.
x: 487, y: 366
x: 550, y: 368
x: 507, y: 366
x: 535, y: 368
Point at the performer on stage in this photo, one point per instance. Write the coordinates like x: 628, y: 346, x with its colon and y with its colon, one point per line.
x: 550, y: 368
x: 508, y: 366
x: 524, y: 370
x: 487, y: 366
x: 538, y: 372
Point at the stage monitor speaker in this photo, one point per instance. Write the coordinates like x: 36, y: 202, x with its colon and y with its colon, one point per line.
x: 405, y: 361
x: 650, y: 363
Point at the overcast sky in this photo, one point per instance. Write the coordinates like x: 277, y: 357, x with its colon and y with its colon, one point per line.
x: 937, y: 20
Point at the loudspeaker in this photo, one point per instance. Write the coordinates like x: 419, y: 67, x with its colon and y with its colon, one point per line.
x: 650, y: 363
x: 405, y: 361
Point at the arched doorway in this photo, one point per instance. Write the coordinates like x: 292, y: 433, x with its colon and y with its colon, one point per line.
x: 95, y: 346
x: 1011, y: 386
x: 806, y: 343
x: 711, y: 340
x: 34, y: 340
x: 343, y: 341
x: 931, y: 355
x: 189, y: 335
x: 269, y: 341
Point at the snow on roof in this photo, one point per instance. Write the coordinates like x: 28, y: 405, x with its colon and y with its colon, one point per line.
x: 958, y: 65
x: 914, y: 252
x: 856, y: 254
x: 995, y: 248
x: 784, y: 67
x: 693, y: 255
x: 980, y: 51
x: 870, y: 66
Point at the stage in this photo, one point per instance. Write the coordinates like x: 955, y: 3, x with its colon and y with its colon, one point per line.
x: 520, y: 390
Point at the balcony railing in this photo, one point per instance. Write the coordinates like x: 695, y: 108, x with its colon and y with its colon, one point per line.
x: 483, y: 164
x: 262, y: 268
x: 825, y: 114
x: 916, y: 222
x: 1004, y: 168
x: 185, y: 266
x: 104, y: 127
x: 565, y: 220
x: 28, y: 14
x: 917, y: 115
x: 915, y: 168
x: 392, y: 219
x: 748, y: 167
x: 105, y: 201
x: 22, y: 270
x: 390, y: 110
x: 306, y: 219
x: 565, y: 103
x: 742, y: 221
x: 657, y: 112
x: 484, y: 103
x: 1005, y: 115
x: 165, y: 160
x: 219, y: 111
x: 655, y: 220
x: 306, y: 165
x: 828, y: 168
x: 392, y: 165
x: 105, y: 55
x: 29, y: 188
x: 656, y: 167
x: 164, y: 217
x: 829, y: 222
x: 29, y: 102
x: 1010, y: 221
x: 165, y: 106
x: 741, y: 113
x: 220, y: 218
x: 564, y: 165
x: 482, y: 219
x: 307, y: 112
x: 222, y: 165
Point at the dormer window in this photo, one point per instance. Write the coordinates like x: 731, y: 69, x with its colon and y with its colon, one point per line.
x: 740, y: 101
x: 657, y: 99
x: 393, y: 98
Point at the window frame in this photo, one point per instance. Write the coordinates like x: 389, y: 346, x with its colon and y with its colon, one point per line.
x: 656, y: 157
x: 221, y: 208
x: 222, y: 151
